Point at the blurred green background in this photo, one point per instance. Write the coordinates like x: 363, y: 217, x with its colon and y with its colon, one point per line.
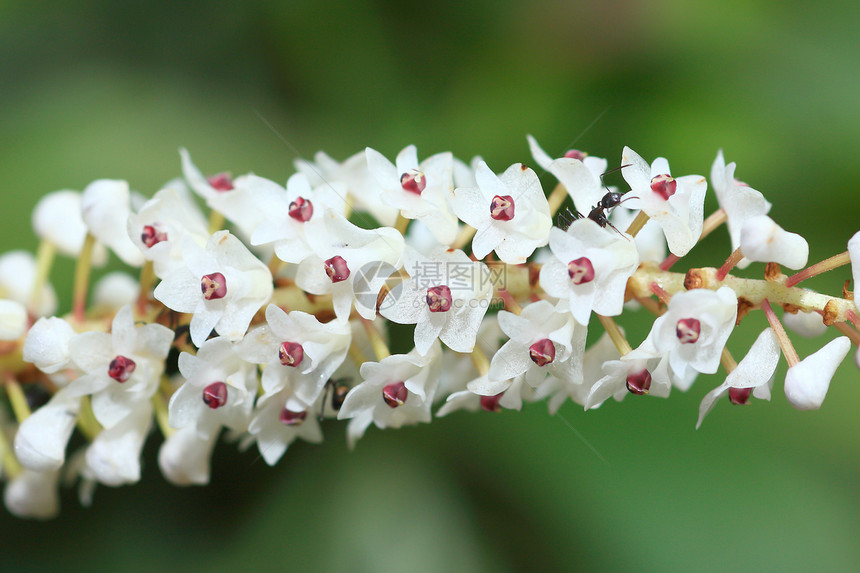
x: 94, y: 89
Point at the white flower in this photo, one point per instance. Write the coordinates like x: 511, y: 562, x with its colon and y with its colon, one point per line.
x: 510, y: 213
x: 397, y: 390
x: 420, y: 191
x: 206, y: 187
x: 762, y: 240
x: 694, y: 330
x: 17, y: 278
x: 578, y: 172
x: 542, y: 342
x: 33, y: 494
x: 807, y: 324
x: 184, y: 457
x: 158, y: 228
x: 57, y: 220
x: 446, y: 297
x: 275, y: 425
x: 297, y: 350
x: 223, y: 286
x: 364, y: 191
x: 738, y: 200
x: 589, y: 269
x: 288, y: 211
x: 807, y: 382
x: 753, y: 375
x: 105, y: 208
x: 113, y: 458
x: 47, y: 344
x: 121, y: 369
x: 115, y: 290
x: 642, y: 371
x: 13, y: 320
x: 341, y: 252
x: 677, y: 204
x: 510, y: 399
x: 219, y: 388
x: 40, y: 444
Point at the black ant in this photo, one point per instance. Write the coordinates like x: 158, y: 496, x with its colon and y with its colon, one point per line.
x: 598, y: 213
x: 339, y: 389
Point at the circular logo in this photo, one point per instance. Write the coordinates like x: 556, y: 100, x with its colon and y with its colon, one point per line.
x: 369, y: 281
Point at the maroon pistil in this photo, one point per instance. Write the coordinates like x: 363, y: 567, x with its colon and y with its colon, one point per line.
x: 580, y: 271
x: 215, y: 395
x: 639, y: 382
x: 502, y: 208
x: 121, y: 368
x: 576, y: 154
x: 439, y: 298
x: 291, y: 353
x: 739, y: 396
x: 664, y: 185
x: 542, y: 352
x: 395, y: 394
x: 413, y: 181
x: 687, y: 330
x: 290, y: 418
x: 214, y: 286
x: 152, y: 236
x: 221, y: 182
x: 301, y: 210
x: 491, y: 403
x: 336, y: 269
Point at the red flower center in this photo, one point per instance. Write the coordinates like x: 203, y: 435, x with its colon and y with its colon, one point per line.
x: 439, y: 298
x: 152, y: 236
x: 301, y: 210
x: 739, y: 396
x: 664, y: 186
x: 639, y: 382
x: 687, y: 330
x: 121, y: 368
x: 413, y: 181
x: 491, y: 403
x: 395, y: 394
x: 542, y: 352
x: 221, y: 182
x: 336, y: 269
x: 290, y: 418
x: 580, y: 271
x: 214, y: 286
x: 502, y: 208
x: 291, y: 354
x: 215, y: 395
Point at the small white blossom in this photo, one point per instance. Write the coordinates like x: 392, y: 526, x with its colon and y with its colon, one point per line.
x: 160, y: 225
x: 676, y: 204
x: 17, y: 278
x: 589, y: 269
x: 297, y: 350
x: 57, y: 220
x: 578, y: 172
x: 13, y: 320
x: 341, y: 252
x: 807, y: 324
x: 642, y: 371
x: 33, y: 495
x: 219, y: 387
x: 113, y: 457
x: 223, y: 285
x: 121, y: 369
x: 542, y: 342
x: 738, y: 200
x: 105, y: 208
x: 47, y: 344
x: 694, y: 330
x: 184, y: 457
x: 762, y: 240
x: 115, y: 290
x: 446, y: 297
x: 275, y: 425
x: 420, y: 191
x: 397, y: 390
x: 807, y: 382
x: 40, y: 444
x: 509, y: 211
x: 754, y: 374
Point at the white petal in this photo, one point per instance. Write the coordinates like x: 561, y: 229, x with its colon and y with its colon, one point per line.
x: 33, y: 495
x: 807, y: 382
x: 764, y: 241
x: 40, y: 443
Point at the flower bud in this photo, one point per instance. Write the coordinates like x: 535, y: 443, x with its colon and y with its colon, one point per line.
x: 806, y: 382
x: 762, y: 240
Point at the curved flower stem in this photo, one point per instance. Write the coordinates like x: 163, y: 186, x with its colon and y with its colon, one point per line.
x: 637, y: 224
x: 480, y: 361
x: 11, y: 466
x: 615, y: 334
x: 216, y: 221
x: 44, y: 262
x: 162, y: 417
x: 357, y: 355
x: 379, y: 346
x: 511, y: 305
x: 401, y: 223
x: 82, y: 279
x: 87, y: 423
x: 784, y: 342
x: 147, y: 278
x: 730, y: 263
x: 833, y: 262
x: 16, y: 398
x: 728, y: 361
x: 465, y: 235
x: 556, y: 198
x: 276, y: 265
x: 849, y: 331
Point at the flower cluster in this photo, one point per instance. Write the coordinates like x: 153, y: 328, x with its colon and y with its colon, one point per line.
x: 268, y: 312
